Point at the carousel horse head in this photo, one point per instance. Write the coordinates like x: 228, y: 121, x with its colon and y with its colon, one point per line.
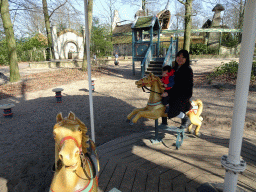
x: 150, y: 80
x: 74, y: 168
x: 70, y: 140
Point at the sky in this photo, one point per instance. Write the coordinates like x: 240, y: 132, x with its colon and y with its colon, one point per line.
x: 127, y: 11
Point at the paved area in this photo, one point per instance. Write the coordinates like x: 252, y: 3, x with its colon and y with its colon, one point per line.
x: 133, y: 163
x: 27, y: 146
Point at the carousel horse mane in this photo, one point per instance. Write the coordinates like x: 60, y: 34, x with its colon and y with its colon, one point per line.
x: 162, y: 88
x: 151, y: 77
x: 72, y: 121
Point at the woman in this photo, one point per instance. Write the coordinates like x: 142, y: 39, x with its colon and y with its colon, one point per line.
x: 181, y: 92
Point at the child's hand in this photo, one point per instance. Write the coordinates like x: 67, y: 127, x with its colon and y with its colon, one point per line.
x: 165, y: 85
x: 165, y: 94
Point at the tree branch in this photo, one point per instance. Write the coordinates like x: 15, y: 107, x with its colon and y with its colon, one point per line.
x: 58, y: 8
x: 182, y: 2
x: 21, y: 9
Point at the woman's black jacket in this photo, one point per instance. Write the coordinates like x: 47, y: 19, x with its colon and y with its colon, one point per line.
x: 181, y: 92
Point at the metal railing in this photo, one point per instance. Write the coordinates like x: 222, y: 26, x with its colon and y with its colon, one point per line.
x: 146, y: 60
x: 172, y: 51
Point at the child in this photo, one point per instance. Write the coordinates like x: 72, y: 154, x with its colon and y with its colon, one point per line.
x: 168, y: 81
x: 116, y: 59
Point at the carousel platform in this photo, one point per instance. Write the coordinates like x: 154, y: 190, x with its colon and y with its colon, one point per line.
x: 133, y: 163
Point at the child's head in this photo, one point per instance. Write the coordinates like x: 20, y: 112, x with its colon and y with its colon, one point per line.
x: 166, y: 69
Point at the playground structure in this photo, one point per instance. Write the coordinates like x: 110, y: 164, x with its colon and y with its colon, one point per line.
x: 155, y: 109
x: 146, y: 46
x: 74, y: 167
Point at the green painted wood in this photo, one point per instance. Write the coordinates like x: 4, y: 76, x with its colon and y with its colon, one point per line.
x: 192, y: 31
x: 144, y: 22
x: 203, y: 30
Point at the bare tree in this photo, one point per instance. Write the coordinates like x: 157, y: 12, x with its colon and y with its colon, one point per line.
x: 234, y: 15
x: 11, y: 44
x: 148, y: 6
x: 188, y: 22
x: 48, y: 28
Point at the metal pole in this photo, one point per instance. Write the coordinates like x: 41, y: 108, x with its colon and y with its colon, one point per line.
x: 89, y: 67
x: 242, y: 88
x: 133, y: 50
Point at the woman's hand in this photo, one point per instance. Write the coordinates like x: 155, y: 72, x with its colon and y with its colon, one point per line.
x: 165, y: 94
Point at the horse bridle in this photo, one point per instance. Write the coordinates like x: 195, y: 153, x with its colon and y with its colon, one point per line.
x: 143, y: 86
x: 67, y: 138
x: 82, y: 155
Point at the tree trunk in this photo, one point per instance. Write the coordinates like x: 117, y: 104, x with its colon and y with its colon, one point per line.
x: 48, y: 29
x: 241, y: 18
x: 188, y: 24
x: 90, y: 8
x: 143, y: 5
x: 11, y: 44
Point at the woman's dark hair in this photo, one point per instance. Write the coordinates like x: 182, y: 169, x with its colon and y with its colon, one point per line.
x: 185, y: 54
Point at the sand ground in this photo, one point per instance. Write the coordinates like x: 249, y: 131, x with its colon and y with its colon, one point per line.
x: 27, y: 145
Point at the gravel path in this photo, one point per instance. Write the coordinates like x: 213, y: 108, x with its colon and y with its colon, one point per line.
x: 27, y: 146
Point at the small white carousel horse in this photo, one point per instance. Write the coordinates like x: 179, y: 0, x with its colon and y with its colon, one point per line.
x: 156, y: 109
x: 74, y: 168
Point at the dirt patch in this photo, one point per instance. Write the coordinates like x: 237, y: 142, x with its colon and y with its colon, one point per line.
x: 43, y: 81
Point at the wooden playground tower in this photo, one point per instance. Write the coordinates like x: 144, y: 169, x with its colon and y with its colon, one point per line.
x: 146, y: 32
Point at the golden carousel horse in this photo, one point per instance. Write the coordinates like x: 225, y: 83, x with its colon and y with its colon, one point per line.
x: 156, y: 109
x: 75, y: 171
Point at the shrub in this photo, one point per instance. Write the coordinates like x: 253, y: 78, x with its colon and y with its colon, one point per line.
x: 229, y: 40
x: 28, y: 49
x: 35, y: 42
x: 213, y: 51
x: 230, y: 69
x: 198, y: 49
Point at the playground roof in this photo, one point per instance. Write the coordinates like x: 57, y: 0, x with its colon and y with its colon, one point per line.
x: 146, y: 22
x: 122, y: 28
